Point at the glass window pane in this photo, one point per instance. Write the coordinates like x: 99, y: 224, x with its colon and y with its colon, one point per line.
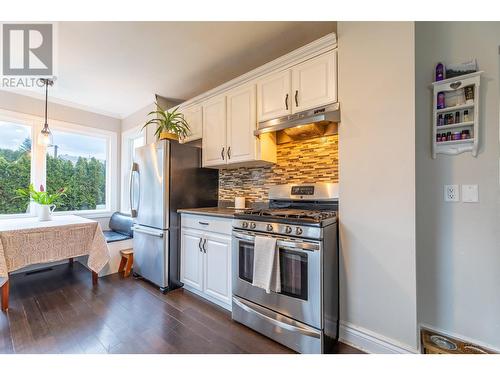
x: 15, y: 166
x: 78, y: 163
x: 137, y: 142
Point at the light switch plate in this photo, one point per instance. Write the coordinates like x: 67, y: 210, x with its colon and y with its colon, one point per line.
x: 451, y: 193
x: 470, y: 193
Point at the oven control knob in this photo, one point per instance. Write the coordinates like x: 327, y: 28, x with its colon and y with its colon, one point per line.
x: 269, y: 227
x: 298, y: 231
x: 288, y: 229
x: 244, y: 224
x: 253, y: 225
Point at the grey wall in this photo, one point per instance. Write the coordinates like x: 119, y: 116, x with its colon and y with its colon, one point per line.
x: 458, y: 244
x: 377, y: 182
x: 31, y: 106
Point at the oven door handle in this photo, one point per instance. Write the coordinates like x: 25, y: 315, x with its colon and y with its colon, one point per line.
x: 278, y: 323
x: 284, y: 244
x: 244, y: 237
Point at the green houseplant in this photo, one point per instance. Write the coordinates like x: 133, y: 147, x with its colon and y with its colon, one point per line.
x: 45, y: 201
x: 169, y: 125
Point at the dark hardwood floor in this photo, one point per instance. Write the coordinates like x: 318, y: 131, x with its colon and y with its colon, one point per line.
x: 58, y: 311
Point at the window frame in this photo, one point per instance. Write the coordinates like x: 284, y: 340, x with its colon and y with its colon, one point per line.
x: 127, y: 140
x: 39, y: 167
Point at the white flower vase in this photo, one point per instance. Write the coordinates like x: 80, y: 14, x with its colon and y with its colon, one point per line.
x: 45, y: 211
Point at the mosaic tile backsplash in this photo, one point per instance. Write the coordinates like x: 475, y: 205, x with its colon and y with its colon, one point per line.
x: 307, y: 161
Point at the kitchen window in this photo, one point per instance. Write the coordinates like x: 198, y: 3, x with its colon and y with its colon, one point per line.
x: 15, y: 166
x: 78, y: 162
x: 81, y: 159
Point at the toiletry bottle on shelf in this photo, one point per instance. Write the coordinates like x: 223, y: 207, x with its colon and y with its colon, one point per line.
x: 457, y: 117
x: 460, y: 96
x: 440, y: 100
x: 439, y: 72
x: 466, y: 116
x: 440, y: 120
x: 469, y: 94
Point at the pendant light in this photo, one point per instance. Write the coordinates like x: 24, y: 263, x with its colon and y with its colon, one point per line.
x: 46, y: 135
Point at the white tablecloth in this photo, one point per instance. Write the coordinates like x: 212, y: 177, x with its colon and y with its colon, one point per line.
x: 28, y: 241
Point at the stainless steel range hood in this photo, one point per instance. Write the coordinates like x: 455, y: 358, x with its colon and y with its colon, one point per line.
x: 312, y: 123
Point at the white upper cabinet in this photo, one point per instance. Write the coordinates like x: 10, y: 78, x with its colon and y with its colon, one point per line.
x: 241, y: 124
x: 214, y: 132
x: 229, y: 123
x: 314, y: 82
x: 194, y: 117
x: 273, y: 96
x: 310, y: 84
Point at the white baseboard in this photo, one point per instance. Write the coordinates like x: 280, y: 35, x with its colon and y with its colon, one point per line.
x: 371, y: 342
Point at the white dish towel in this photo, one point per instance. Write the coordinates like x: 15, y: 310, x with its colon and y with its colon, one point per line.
x: 266, y: 265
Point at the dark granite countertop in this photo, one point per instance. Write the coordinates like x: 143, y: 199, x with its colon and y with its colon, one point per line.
x: 210, y: 211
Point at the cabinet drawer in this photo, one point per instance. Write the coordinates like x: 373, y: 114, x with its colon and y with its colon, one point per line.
x: 207, y: 223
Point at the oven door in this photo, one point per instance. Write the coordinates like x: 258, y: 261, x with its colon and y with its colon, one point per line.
x: 300, y: 269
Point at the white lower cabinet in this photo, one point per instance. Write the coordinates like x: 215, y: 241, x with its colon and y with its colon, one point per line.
x: 192, y: 258
x: 217, y: 267
x: 206, y: 257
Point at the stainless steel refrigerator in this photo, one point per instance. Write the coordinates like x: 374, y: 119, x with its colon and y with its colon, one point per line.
x: 166, y: 176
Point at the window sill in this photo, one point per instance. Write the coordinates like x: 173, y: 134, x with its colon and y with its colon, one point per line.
x: 86, y: 214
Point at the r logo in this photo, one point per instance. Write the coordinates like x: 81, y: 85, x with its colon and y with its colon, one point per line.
x: 27, y: 49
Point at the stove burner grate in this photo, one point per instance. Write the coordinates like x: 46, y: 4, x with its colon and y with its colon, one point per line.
x: 314, y: 215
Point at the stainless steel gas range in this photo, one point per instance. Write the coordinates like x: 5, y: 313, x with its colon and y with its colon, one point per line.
x: 304, y: 315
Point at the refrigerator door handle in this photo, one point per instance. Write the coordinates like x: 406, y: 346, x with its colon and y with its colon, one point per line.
x: 151, y: 232
x: 133, y: 171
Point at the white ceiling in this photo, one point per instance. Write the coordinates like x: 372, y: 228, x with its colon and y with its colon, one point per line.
x: 116, y: 67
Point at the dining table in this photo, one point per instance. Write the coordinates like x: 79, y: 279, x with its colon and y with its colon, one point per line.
x: 27, y: 241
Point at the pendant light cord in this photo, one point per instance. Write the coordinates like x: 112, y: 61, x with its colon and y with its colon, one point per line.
x: 46, y: 99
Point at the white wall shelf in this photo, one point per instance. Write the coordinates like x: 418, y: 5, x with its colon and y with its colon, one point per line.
x: 452, y: 87
x: 454, y: 108
x: 464, y: 124
x: 457, y: 142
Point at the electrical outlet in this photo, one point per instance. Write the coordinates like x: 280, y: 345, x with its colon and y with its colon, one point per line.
x: 470, y: 193
x: 451, y: 193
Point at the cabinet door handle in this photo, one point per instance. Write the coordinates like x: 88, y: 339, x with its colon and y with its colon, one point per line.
x: 286, y: 101
x: 229, y: 152
x: 222, y: 153
x: 296, y: 98
x: 204, y: 243
x: 199, y: 244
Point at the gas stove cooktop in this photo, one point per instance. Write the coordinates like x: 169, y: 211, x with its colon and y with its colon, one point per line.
x: 294, y: 210
x: 287, y: 215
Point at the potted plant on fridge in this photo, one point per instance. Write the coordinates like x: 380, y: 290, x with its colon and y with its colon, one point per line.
x: 169, y: 124
x: 45, y: 201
